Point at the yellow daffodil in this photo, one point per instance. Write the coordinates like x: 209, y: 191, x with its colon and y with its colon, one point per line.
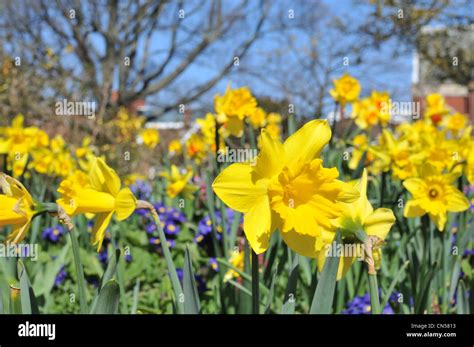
x: 126, y: 124
x: 17, y: 142
x: 273, y: 127
x: 85, y: 154
x: 434, y: 193
x: 174, y: 147
x: 101, y: 195
x: 150, y: 137
x: 355, y: 216
x: 287, y: 188
x: 232, y: 108
x: 17, y: 208
x: 361, y: 145
x: 196, y: 147
x: 346, y: 89
x: 237, y: 260
x: 456, y: 123
x: 178, y: 183
x: 55, y: 160
x: 435, y: 108
x: 372, y: 110
x: 257, y: 119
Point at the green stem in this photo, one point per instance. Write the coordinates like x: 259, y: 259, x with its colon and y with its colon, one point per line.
x: 255, y: 284
x: 81, y: 284
x: 178, y: 291
x: 374, y: 294
x: 382, y: 188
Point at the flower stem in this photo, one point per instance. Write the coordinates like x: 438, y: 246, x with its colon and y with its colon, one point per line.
x: 382, y: 188
x: 374, y: 294
x: 81, y: 285
x: 178, y: 291
x: 255, y: 284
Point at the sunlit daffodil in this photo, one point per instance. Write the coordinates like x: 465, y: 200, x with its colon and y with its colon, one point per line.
x: 346, y: 89
x: 288, y: 189
x: 179, y: 182
x: 174, y: 147
x: 237, y: 260
x: 435, y: 108
x: 150, y: 137
x: 434, y: 194
x: 101, y: 195
x: 55, y: 160
x: 372, y: 110
x: 456, y: 123
x: 233, y: 107
x: 257, y: 119
x: 355, y: 216
x: 17, y: 208
x: 196, y: 147
x: 17, y: 142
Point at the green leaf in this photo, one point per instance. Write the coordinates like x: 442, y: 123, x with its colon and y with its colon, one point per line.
x: 422, y: 297
x: 272, y: 289
x: 240, y: 287
x: 81, y: 282
x: 462, y: 304
x: 290, y: 292
x: 241, y: 273
x: 44, y: 279
x: 15, y: 300
x: 111, y: 269
x: 393, y: 284
x: 136, y: 292
x: 191, y: 296
x: 324, y: 294
x: 28, y: 299
x: 108, y: 300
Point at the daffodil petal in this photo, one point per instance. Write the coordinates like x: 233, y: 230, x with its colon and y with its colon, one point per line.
x: 379, y: 222
x: 456, y: 201
x: 257, y: 222
x: 103, y: 178
x: 304, y: 245
x: 413, y: 185
x: 98, y: 231
x: 308, y: 142
x: 125, y: 204
x: 18, y: 233
x: 271, y: 158
x: 413, y: 209
x: 236, y: 188
x: 439, y: 220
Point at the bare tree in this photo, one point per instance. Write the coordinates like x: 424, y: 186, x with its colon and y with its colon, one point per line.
x: 140, y: 49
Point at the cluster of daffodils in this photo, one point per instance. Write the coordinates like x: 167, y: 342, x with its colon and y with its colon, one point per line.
x: 232, y: 112
x: 428, y: 155
x: 129, y: 128
x: 290, y: 190
x: 28, y: 148
x: 367, y: 112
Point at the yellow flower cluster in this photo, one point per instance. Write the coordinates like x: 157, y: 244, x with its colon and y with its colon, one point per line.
x: 366, y: 112
x: 428, y: 154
